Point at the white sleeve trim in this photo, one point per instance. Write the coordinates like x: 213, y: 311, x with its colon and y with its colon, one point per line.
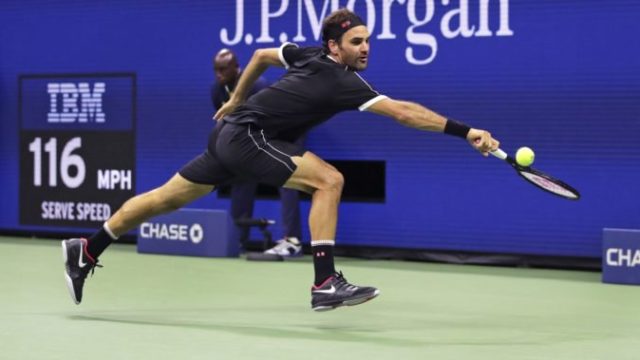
x: 366, y: 105
x: 281, y: 54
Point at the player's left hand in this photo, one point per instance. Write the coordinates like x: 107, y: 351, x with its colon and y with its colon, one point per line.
x: 226, y: 109
x: 482, y: 141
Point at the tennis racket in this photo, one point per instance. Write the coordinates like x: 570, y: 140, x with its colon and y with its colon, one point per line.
x: 539, y: 179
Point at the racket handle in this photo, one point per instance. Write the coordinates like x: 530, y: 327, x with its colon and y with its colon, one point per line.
x: 499, y: 154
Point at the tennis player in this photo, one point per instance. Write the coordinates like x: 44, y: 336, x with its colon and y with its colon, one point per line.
x: 254, y: 140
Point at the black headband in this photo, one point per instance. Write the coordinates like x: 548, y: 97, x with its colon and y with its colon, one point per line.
x: 335, y: 31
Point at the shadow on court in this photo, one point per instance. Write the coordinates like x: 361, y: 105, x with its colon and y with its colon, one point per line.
x: 342, y: 333
x: 425, y: 335
x: 486, y: 270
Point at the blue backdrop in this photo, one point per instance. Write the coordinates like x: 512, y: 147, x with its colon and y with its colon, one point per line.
x: 562, y: 77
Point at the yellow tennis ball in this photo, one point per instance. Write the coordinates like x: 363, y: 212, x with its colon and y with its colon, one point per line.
x: 525, y: 156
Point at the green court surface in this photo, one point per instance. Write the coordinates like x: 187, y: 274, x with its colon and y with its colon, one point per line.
x: 168, y: 307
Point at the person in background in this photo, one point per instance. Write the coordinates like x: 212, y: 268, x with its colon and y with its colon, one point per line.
x: 227, y: 72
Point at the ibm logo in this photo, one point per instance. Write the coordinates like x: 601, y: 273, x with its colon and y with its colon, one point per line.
x: 79, y: 103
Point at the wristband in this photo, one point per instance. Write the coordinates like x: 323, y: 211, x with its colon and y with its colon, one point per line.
x: 456, y: 128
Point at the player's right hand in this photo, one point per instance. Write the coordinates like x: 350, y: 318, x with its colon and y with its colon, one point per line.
x: 226, y: 109
x: 482, y: 141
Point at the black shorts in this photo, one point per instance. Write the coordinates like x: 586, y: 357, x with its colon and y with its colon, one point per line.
x: 239, y: 153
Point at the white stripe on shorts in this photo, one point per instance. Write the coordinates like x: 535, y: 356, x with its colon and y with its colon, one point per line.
x: 263, y: 149
x: 271, y: 146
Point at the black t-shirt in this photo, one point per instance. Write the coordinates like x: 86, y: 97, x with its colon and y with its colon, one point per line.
x: 314, y: 89
x: 220, y: 94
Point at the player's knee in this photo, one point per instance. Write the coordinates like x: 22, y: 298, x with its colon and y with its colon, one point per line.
x: 333, y: 181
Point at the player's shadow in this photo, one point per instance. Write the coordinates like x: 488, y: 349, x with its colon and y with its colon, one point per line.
x: 331, y: 332
x: 498, y: 270
x: 342, y: 333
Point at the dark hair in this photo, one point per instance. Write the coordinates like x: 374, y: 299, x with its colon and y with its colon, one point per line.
x: 336, y: 24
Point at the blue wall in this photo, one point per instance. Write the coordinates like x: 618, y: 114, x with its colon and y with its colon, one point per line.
x: 562, y: 77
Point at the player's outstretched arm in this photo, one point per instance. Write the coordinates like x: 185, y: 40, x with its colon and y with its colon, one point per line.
x: 419, y: 117
x: 260, y: 61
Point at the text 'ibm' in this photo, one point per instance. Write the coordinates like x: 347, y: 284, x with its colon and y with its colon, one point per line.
x: 71, y: 102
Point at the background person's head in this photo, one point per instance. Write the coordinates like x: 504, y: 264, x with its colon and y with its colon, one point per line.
x: 225, y: 66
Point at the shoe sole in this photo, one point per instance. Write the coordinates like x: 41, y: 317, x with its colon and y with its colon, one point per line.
x: 286, y: 256
x: 351, y: 302
x: 258, y: 256
x: 72, y: 292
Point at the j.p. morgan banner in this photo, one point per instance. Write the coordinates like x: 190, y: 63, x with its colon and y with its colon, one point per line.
x: 77, y: 147
x: 420, y: 23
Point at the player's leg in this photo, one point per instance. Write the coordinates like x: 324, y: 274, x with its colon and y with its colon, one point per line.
x: 248, y: 150
x: 194, y: 180
x: 81, y: 255
x: 171, y: 196
x: 324, y: 182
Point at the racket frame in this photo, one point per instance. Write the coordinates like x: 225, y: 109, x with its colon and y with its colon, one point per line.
x: 500, y: 154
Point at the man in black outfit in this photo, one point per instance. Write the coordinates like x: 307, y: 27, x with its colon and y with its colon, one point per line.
x: 228, y: 72
x: 254, y: 140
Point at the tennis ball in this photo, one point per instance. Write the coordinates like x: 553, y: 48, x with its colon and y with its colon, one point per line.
x: 525, y: 156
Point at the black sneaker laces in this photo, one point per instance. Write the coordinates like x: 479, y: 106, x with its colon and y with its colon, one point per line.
x: 93, y: 268
x: 342, y: 283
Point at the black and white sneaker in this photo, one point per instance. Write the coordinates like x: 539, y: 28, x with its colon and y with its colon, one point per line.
x: 336, y: 291
x: 287, y: 248
x: 78, y: 263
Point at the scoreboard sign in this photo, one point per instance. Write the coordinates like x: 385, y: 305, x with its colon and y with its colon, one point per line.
x: 77, y: 147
